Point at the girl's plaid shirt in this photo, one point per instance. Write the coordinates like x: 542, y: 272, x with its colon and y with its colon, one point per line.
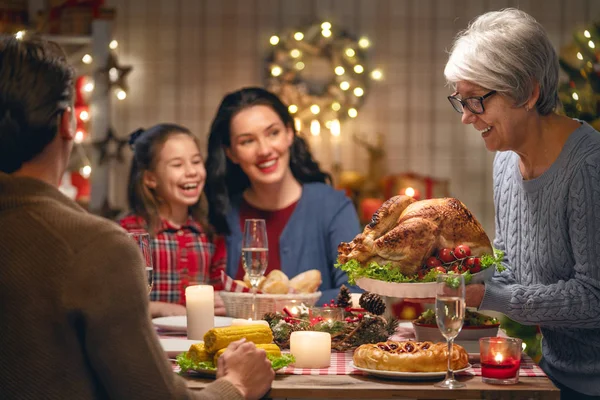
x: 182, y: 257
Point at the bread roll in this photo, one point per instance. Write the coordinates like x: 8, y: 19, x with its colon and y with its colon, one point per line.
x: 277, y: 275
x: 306, y: 282
x: 275, y: 287
x: 409, y: 356
x: 277, y: 282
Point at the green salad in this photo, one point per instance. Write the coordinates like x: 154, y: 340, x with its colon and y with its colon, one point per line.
x: 387, y: 273
x: 472, y: 319
x: 187, y: 364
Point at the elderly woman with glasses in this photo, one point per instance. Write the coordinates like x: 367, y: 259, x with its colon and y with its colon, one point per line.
x: 546, y: 192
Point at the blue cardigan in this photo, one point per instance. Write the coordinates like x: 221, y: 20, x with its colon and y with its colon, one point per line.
x: 322, y: 219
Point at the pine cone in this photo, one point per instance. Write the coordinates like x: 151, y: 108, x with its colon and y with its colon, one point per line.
x: 270, y: 316
x: 372, y: 302
x: 343, y: 299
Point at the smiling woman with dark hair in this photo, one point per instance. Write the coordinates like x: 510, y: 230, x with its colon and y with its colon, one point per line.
x: 546, y: 183
x: 258, y: 167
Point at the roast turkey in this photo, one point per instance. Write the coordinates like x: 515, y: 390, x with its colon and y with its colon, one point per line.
x: 404, y: 232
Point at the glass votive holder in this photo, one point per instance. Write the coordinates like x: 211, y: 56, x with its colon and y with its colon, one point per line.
x: 500, y: 359
x: 328, y: 314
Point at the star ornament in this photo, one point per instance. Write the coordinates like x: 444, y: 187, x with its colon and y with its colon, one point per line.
x: 115, y: 73
x: 105, y: 146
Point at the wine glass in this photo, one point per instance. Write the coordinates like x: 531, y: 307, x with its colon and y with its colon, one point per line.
x: 450, y: 315
x: 255, y: 251
x: 143, y: 242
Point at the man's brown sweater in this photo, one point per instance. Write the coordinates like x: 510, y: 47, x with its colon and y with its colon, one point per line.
x: 74, y: 320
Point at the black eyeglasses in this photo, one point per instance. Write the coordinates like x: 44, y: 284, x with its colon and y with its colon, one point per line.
x: 474, y: 104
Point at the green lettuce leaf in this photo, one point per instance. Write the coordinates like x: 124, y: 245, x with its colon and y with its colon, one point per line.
x: 387, y: 273
x: 282, y: 361
x: 487, y: 260
x: 187, y: 364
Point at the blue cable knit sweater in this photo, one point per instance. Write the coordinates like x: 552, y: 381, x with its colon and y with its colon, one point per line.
x: 549, y: 228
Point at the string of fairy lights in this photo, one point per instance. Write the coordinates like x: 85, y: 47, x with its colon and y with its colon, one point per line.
x: 589, y: 59
x: 321, y: 73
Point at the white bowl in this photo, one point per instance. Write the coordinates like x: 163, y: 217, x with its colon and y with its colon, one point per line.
x: 432, y: 332
x: 414, y: 290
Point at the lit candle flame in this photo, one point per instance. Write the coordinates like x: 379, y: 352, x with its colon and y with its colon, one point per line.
x: 409, y: 192
x: 498, y: 357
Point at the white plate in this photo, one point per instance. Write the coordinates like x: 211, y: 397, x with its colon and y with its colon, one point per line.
x: 406, y: 375
x: 173, y: 346
x: 179, y: 323
x: 414, y: 290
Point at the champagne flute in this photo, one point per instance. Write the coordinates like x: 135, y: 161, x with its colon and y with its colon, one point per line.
x: 450, y: 315
x: 143, y: 242
x: 255, y: 251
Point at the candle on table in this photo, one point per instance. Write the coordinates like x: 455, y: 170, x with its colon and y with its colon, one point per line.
x: 250, y: 321
x: 291, y: 308
x: 311, y: 349
x: 328, y: 314
x: 500, y: 359
x: 200, y: 310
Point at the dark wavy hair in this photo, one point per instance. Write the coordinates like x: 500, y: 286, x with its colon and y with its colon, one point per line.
x: 143, y: 201
x: 226, y: 179
x: 36, y: 86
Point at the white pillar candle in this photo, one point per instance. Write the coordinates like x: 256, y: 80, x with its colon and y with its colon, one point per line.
x: 311, y: 349
x: 250, y: 321
x: 200, y: 307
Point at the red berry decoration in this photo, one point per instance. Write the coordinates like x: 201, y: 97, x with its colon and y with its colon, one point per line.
x: 446, y: 255
x: 462, y: 251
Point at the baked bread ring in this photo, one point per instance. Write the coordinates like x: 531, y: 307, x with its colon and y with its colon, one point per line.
x: 409, y: 356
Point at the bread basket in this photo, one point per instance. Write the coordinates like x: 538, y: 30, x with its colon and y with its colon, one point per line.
x: 239, y: 304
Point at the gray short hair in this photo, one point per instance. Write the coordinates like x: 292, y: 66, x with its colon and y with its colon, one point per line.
x: 507, y: 51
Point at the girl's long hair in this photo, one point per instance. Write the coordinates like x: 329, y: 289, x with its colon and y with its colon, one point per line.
x: 143, y: 201
x: 226, y: 179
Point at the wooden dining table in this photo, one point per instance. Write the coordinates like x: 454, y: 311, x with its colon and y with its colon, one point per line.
x: 343, y: 380
x: 368, y: 387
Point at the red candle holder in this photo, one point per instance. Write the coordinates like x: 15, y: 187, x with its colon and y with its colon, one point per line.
x: 500, y: 359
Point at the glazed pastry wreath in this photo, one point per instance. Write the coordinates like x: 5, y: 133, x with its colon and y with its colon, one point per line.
x: 409, y: 356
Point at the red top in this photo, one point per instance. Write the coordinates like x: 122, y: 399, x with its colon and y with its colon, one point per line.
x: 275, y: 221
x: 182, y: 257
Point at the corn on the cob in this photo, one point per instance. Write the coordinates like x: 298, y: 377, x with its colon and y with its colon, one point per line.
x: 198, y: 353
x: 270, y: 348
x: 219, y: 338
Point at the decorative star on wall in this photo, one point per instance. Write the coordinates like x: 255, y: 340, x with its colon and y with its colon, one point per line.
x: 104, y: 145
x: 115, y: 73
